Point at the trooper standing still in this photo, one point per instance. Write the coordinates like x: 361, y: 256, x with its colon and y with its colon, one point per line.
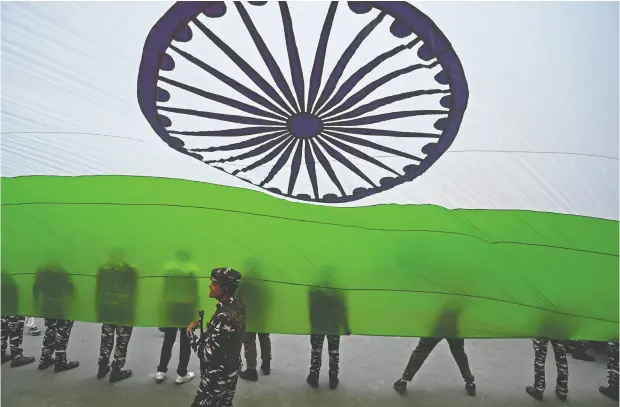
x: 540, y: 355
x: 52, y: 291
x: 115, y: 299
x: 13, y: 332
x: 611, y: 390
x: 219, y: 345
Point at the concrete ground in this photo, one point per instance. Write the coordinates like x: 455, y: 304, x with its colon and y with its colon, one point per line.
x: 369, y: 366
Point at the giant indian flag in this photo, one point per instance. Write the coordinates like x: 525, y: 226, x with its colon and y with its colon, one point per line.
x: 429, y: 169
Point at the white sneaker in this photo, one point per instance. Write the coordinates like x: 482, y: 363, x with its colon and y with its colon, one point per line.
x: 182, y: 379
x: 159, y: 377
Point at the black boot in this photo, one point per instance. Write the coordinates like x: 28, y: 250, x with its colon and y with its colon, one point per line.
x: 119, y: 374
x: 611, y: 392
x: 333, y: 381
x: 63, y: 367
x: 22, y: 360
x: 532, y: 392
x: 470, y: 389
x: 6, y: 357
x: 313, y: 380
x: 560, y: 396
x: 103, y: 371
x: 400, y: 386
x: 266, y: 367
x: 249, y: 374
x: 45, y: 363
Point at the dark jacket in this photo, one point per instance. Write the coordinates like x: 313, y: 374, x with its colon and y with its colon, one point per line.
x: 53, y: 288
x: 328, y: 312
x: 116, y: 293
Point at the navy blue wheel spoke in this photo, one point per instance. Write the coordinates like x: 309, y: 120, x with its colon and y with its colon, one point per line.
x: 242, y: 144
x: 254, y: 152
x: 366, y: 143
x: 371, y: 87
x: 271, y: 63
x: 222, y: 99
x: 359, y: 154
x: 244, y: 66
x: 344, y: 60
x: 369, y: 107
x: 293, y: 55
x: 345, y: 123
x: 350, y: 83
x: 295, y: 166
x: 272, y: 154
x: 244, y: 131
x: 309, y: 158
x: 222, y: 117
x: 383, y: 133
x: 280, y: 163
x: 326, y: 166
x: 378, y: 118
x: 319, y: 58
x: 245, y: 91
x: 337, y: 155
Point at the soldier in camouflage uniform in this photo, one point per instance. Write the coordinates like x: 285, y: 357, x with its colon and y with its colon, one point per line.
x: 55, y: 341
x: 540, y: 355
x: 446, y: 327
x: 123, y: 335
x: 53, y: 289
x: 12, y: 326
x: 115, y: 299
x: 219, y: 345
x: 579, y: 350
x: 328, y: 317
x: 13, y: 332
x: 611, y: 390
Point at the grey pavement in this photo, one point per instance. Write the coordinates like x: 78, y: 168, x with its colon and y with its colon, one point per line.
x: 369, y: 366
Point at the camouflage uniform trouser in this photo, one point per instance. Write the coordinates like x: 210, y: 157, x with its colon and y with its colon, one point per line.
x: 426, y: 346
x: 13, y: 331
x: 217, y: 389
x: 123, y: 334
x: 56, y: 339
x: 612, y: 364
x: 333, y: 349
x: 249, y: 346
x: 540, y: 355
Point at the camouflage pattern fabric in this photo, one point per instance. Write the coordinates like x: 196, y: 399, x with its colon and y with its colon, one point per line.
x: 13, y: 332
x: 612, y: 364
x: 123, y: 335
x: 540, y: 355
x: 426, y: 346
x: 220, y: 354
x: 333, y: 350
x: 56, y: 340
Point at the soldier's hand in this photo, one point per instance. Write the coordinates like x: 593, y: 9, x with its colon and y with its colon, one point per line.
x: 193, y: 325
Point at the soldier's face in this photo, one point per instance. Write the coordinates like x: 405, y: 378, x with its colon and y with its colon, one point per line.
x: 215, y: 291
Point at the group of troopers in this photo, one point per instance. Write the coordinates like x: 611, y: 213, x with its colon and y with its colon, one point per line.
x: 218, y: 347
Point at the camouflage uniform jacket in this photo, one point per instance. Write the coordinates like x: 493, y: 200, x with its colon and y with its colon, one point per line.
x: 220, y: 349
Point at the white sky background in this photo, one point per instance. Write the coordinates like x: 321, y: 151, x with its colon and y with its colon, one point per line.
x: 543, y: 77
